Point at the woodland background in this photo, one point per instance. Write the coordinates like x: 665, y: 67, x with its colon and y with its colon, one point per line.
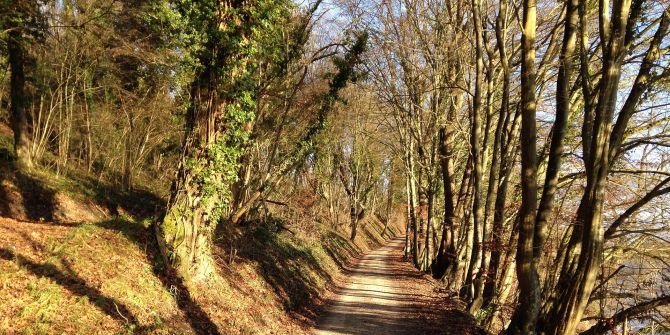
x: 521, y: 147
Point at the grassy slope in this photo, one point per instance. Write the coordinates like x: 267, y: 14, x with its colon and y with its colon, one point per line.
x: 103, y: 275
x: 106, y: 278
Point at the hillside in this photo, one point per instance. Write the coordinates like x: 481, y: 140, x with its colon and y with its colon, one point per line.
x: 75, y: 259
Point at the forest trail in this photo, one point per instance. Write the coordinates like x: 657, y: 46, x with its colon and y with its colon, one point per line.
x: 384, y: 294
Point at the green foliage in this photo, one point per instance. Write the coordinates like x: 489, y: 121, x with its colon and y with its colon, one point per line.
x: 346, y: 72
x: 229, y: 47
x: 23, y: 14
x: 223, y: 37
x: 266, y: 232
x: 7, y: 148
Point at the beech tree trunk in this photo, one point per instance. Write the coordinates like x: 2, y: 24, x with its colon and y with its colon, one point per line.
x: 353, y: 216
x: 525, y: 315
x: 477, y: 159
x: 446, y: 255
x: 490, y: 288
x: 581, y: 261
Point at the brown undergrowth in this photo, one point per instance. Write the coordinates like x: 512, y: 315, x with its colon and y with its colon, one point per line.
x: 65, y: 270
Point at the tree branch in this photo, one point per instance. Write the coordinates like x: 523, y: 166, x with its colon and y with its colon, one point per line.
x: 605, y: 325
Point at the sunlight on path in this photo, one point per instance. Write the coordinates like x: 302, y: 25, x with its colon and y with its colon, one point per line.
x: 374, y: 301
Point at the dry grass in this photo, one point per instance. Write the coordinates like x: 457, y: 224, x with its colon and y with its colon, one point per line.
x: 79, y: 280
x: 106, y: 278
x: 74, y: 260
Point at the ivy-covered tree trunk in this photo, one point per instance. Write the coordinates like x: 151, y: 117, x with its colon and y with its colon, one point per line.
x: 185, y: 233
x: 238, y: 36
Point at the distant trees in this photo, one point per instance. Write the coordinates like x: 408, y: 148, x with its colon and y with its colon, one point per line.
x: 84, y: 62
x: 521, y: 119
x: 358, y: 165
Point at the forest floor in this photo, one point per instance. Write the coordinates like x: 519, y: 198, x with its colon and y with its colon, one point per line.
x: 78, y: 256
x: 70, y: 243
x: 382, y: 293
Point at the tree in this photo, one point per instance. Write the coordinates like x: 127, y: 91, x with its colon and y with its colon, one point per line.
x: 601, y: 145
x: 17, y: 17
x: 529, y: 286
x: 236, y: 37
x: 239, y: 40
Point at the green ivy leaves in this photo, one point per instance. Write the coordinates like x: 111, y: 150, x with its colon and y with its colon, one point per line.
x: 229, y: 45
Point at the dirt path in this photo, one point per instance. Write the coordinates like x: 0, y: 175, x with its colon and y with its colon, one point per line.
x: 386, y: 295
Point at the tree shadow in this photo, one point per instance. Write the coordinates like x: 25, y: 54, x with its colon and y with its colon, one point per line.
x: 408, y: 317
x: 143, y: 237
x: 342, y: 251
x: 136, y: 202
x: 371, y: 237
x: 290, y: 271
x: 38, y: 202
x: 22, y: 191
x: 200, y: 322
x: 69, y: 280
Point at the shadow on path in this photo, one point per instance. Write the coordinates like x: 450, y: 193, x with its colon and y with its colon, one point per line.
x: 385, y: 295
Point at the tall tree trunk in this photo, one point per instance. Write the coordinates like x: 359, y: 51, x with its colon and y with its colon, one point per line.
x: 389, y: 199
x: 558, y: 133
x: 429, y: 226
x: 353, y: 217
x: 127, y: 175
x: 580, y: 270
x: 559, y: 128
x: 446, y: 255
x: 88, y: 109
x: 476, y: 147
x: 501, y: 189
x: 525, y: 315
x: 18, y: 97
x: 185, y: 233
x: 463, y: 237
x: 413, y: 212
x: 483, y: 275
x: 410, y: 216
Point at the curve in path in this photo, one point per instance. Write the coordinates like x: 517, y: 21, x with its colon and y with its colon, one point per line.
x: 386, y: 295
